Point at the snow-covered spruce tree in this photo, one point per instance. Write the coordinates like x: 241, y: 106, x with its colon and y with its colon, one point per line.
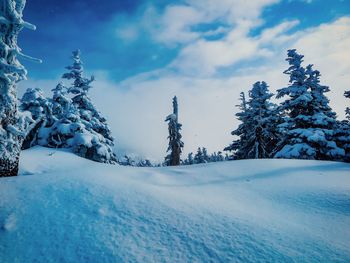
x: 236, y: 147
x: 175, y: 144
x: 309, y: 122
x: 60, y: 101
x: 200, y: 156
x: 64, y: 132
x: 40, y: 108
x: 11, y: 72
x: 189, y: 160
x: 347, y: 110
x: 342, y: 137
x: 127, y: 161
x: 144, y: 163
x: 263, y: 115
x: 257, y: 132
x: 95, y: 142
x: 216, y: 157
x: 342, y: 132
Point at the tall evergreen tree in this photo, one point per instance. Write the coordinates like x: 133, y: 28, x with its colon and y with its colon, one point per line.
x: 189, y: 160
x: 342, y: 132
x: 216, y: 157
x: 75, y: 123
x: 175, y: 144
x: 240, y: 132
x: 347, y: 110
x: 11, y: 72
x: 88, y: 112
x: 263, y: 118
x: 199, y: 157
x: 257, y: 132
x: 309, y: 121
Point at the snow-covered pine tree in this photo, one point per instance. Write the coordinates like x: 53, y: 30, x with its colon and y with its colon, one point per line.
x: 342, y: 132
x: 65, y: 131
x: 347, y: 110
x: 216, y: 157
x: 309, y: 122
x: 60, y: 100
x: 40, y: 108
x: 236, y: 147
x: 257, y: 131
x: 144, y: 163
x: 199, y: 157
x: 11, y: 72
x: 128, y: 161
x: 342, y: 137
x: 34, y: 101
x: 97, y: 142
x: 175, y: 144
x: 220, y: 157
x: 262, y: 131
x: 205, y: 155
x: 189, y: 160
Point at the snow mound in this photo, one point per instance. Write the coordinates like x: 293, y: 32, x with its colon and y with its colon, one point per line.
x: 67, y: 209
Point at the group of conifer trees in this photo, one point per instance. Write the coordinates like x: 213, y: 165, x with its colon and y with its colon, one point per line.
x: 303, y: 126
x: 69, y: 119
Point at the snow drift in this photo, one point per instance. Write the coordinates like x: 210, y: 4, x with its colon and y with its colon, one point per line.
x: 64, y: 208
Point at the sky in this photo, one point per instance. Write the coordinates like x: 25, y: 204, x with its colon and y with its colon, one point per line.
x: 206, y: 52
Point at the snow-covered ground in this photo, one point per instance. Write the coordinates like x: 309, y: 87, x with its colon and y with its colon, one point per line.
x: 67, y: 209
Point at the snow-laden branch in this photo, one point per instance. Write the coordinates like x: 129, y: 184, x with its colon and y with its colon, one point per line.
x: 28, y: 57
x: 28, y: 25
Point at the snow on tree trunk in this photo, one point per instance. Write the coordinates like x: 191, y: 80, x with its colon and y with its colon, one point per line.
x: 175, y: 143
x: 11, y: 72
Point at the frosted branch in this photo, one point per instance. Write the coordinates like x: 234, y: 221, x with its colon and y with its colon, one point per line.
x: 29, y: 57
x: 28, y: 25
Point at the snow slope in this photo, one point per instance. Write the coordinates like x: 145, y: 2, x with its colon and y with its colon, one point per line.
x: 67, y: 209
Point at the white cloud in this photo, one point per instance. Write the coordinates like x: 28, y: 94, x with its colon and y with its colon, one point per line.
x: 128, y: 33
x: 176, y: 24
x: 206, y: 57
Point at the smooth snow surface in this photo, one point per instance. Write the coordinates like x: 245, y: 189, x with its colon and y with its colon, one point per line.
x: 67, y: 209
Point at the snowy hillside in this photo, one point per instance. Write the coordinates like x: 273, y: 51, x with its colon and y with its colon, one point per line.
x: 64, y: 208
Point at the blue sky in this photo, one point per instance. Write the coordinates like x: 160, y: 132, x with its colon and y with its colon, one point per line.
x: 91, y: 25
x: 204, y: 51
